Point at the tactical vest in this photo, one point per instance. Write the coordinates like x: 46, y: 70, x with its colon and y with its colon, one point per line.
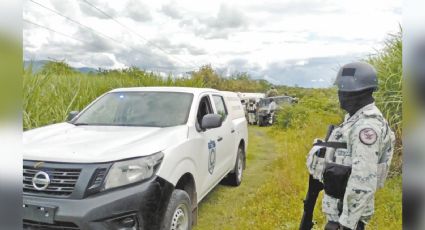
x: 330, y: 161
x: 251, y: 108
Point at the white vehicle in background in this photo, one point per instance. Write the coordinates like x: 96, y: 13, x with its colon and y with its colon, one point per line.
x: 135, y: 158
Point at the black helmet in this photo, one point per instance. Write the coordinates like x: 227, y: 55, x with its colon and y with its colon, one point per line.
x: 356, y: 76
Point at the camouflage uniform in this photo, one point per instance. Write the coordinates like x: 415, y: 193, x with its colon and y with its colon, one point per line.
x: 252, y: 112
x: 369, y: 151
x: 370, y: 144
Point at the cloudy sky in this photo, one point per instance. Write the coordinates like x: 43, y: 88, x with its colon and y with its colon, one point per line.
x: 291, y: 42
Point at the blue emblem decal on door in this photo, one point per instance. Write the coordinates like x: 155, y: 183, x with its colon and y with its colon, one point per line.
x: 212, y: 156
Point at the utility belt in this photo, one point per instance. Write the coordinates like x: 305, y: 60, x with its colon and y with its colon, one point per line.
x: 334, y: 176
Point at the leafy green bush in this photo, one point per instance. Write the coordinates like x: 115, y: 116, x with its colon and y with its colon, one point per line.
x: 293, y: 116
x: 238, y: 82
x: 314, y: 102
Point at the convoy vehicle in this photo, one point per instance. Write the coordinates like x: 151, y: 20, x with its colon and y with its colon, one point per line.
x: 135, y: 158
x: 263, y: 116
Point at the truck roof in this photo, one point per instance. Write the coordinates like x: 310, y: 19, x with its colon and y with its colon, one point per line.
x: 166, y: 89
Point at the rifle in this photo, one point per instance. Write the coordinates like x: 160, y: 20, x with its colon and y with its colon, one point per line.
x: 314, y: 188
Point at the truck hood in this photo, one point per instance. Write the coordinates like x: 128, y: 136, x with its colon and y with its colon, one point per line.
x: 66, y: 142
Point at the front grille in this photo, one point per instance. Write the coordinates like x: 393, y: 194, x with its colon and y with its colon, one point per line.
x: 33, y: 225
x: 62, y: 181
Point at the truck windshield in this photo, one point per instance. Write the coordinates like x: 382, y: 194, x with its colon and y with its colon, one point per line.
x: 153, y: 109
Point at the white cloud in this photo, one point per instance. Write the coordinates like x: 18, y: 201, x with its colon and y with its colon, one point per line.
x: 170, y: 9
x: 138, y: 11
x: 289, y: 41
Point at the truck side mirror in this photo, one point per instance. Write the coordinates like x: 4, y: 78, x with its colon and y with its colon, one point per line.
x: 72, y: 115
x: 211, y: 121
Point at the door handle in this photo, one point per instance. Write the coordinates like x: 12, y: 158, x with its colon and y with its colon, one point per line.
x: 232, y: 131
x: 219, y: 139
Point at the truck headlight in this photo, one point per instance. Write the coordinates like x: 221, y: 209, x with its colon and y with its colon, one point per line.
x: 132, y: 171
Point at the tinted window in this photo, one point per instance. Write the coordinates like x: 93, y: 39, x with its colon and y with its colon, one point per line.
x: 204, y: 109
x: 220, y: 106
x: 156, y: 109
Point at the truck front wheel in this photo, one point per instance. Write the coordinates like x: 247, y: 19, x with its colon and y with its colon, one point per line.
x: 235, y: 178
x: 178, y: 215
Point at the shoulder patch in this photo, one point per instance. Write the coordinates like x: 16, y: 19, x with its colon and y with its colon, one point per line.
x: 368, y: 136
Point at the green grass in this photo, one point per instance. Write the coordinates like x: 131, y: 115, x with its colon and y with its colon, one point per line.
x: 272, y: 198
x: 389, y: 98
x: 276, y: 177
x: 275, y: 183
x: 220, y: 208
x: 388, y: 63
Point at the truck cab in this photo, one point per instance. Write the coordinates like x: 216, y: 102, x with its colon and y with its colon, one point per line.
x: 135, y: 158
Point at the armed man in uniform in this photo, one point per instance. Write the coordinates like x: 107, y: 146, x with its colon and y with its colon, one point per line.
x: 252, y: 111
x: 271, y: 110
x: 353, y: 161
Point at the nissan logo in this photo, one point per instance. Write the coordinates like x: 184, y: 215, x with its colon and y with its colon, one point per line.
x: 41, y: 180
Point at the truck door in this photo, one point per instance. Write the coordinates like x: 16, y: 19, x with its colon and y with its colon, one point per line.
x: 208, y: 156
x: 226, y: 139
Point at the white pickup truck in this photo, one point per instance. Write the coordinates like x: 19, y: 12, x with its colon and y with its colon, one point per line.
x: 135, y: 158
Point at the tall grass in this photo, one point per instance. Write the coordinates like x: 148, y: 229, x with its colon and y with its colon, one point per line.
x: 313, y: 102
x: 50, y: 95
x: 57, y: 89
x: 388, y: 63
x: 389, y: 97
x: 277, y: 204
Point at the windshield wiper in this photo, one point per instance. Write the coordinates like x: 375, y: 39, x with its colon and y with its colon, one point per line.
x: 78, y: 124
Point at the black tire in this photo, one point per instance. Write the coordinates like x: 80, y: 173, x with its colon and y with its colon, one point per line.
x: 260, y: 121
x: 179, y: 200
x: 235, y: 178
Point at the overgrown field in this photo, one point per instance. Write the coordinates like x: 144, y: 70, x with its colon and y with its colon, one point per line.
x: 277, y: 203
x: 279, y: 175
x: 49, y: 95
x: 316, y: 102
x: 275, y: 183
